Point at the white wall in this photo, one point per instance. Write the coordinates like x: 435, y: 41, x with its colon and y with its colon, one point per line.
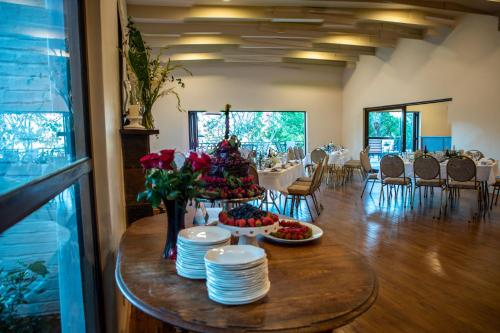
x: 464, y: 66
x: 434, y: 120
x: 315, y: 89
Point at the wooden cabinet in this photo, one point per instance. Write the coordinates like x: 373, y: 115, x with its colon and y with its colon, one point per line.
x: 135, y: 144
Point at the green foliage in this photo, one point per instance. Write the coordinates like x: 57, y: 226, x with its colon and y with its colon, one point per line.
x: 269, y: 127
x: 151, y: 75
x: 14, y: 285
x: 384, y: 124
x: 182, y: 185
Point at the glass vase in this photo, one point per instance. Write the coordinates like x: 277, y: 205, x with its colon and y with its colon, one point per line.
x: 176, y: 212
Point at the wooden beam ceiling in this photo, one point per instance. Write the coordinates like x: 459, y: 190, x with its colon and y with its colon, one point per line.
x: 320, y: 35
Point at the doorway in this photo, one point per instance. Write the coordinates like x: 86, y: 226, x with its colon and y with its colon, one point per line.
x: 395, y: 129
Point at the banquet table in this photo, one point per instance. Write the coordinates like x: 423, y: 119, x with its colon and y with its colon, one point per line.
x: 334, y: 158
x: 485, y: 173
x: 315, y: 287
x: 280, y: 180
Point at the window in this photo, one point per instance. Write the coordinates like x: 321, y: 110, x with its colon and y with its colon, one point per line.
x: 257, y: 130
x: 49, y: 267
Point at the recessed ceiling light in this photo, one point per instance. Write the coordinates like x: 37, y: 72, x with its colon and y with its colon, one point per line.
x: 226, y: 0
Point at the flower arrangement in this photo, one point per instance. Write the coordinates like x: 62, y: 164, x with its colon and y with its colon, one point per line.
x: 166, y: 181
x: 175, y: 185
x: 149, y: 75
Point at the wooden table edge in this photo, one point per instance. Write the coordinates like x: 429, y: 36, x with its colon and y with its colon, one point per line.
x: 174, y: 320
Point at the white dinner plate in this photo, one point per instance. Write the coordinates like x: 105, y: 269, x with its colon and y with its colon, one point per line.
x: 316, y: 233
x: 204, y: 235
x: 234, y: 255
x: 237, y: 301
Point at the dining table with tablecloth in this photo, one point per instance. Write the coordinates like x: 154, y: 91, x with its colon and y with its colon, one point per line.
x: 486, y: 171
x: 278, y: 178
x: 339, y: 157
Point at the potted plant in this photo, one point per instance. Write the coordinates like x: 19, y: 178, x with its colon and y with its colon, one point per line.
x: 174, y: 180
x: 149, y: 75
x: 15, y: 285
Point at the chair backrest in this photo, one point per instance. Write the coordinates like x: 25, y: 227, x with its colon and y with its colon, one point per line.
x: 427, y: 167
x: 290, y: 154
x: 392, y: 166
x: 301, y: 153
x: 317, y: 155
x: 365, y: 161
x: 461, y: 169
x: 252, y: 171
x: 322, y: 167
x: 296, y: 152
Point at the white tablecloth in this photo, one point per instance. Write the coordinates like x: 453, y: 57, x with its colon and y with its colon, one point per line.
x: 336, y: 157
x: 280, y: 180
x: 485, y: 173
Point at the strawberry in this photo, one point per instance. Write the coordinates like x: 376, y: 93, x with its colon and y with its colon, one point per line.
x: 275, y: 218
x: 223, y: 217
x: 230, y: 221
x: 267, y: 221
x: 241, y: 223
x: 258, y: 223
x: 251, y: 222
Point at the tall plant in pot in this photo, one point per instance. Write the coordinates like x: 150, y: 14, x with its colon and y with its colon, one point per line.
x: 174, y: 180
x: 152, y: 77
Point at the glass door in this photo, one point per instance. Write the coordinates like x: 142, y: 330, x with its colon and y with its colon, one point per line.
x: 412, y: 131
x: 384, y: 133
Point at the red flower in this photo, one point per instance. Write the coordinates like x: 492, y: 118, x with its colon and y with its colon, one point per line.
x: 200, y: 163
x: 150, y: 161
x: 166, y: 158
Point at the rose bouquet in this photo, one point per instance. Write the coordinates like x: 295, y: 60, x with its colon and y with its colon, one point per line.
x: 173, y: 184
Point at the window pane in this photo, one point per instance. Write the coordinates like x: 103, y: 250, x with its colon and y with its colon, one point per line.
x: 257, y: 130
x: 36, y: 111
x: 40, y: 257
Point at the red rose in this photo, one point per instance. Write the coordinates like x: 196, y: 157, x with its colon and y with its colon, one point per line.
x: 199, y: 163
x: 150, y: 161
x: 166, y: 158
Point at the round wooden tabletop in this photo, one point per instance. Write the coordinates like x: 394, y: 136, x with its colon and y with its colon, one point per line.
x: 315, y: 287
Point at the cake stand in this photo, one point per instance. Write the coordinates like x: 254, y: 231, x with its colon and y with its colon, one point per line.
x: 248, y: 235
x: 227, y: 204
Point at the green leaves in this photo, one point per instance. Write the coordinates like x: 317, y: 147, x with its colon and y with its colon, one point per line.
x: 181, y: 184
x: 150, y: 73
x: 15, y: 284
x: 39, y: 268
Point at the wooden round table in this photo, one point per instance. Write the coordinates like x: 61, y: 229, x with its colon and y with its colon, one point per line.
x: 315, y: 287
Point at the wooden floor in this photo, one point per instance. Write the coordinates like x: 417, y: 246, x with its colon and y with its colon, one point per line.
x: 434, y: 275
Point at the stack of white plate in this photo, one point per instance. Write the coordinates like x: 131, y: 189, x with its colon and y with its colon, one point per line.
x: 237, y: 274
x: 193, y: 243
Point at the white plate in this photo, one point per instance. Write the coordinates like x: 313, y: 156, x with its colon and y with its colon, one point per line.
x: 236, y: 300
x: 234, y: 255
x: 204, y: 234
x: 316, y: 233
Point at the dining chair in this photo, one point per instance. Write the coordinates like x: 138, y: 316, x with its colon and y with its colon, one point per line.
x: 353, y: 165
x: 290, y: 154
x: 462, y: 175
x: 300, y: 190
x: 392, y: 170
x: 427, y: 174
x: 496, y: 192
x: 316, y: 156
x: 296, y: 153
x: 371, y: 175
x: 301, y: 153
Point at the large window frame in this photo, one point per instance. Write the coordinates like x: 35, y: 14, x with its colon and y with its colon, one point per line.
x: 403, y: 108
x: 27, y: 198
x: 193, y: 125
